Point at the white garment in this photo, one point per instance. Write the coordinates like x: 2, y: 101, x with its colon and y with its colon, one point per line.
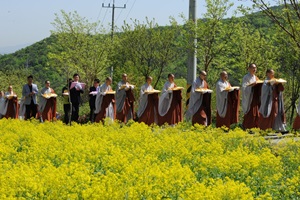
x: 3, y: 106
x: 22, y: 108
x: 165, y: 99
x: 222, y: 97
x: 247, y: 92
x: 99, y: 98
x: 42, y: 100
x: 143, y: 99
x: 266, y: 99
x: 195, y: 99
x: 279, y: 125
x: 121, y: 95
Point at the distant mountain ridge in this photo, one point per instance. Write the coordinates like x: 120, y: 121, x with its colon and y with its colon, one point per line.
x: 14, y: 48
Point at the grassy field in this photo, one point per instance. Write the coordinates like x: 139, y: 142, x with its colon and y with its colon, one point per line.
x: 134, y: 161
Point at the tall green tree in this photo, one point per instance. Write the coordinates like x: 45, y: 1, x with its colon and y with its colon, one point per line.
x: 81, y: 46
x: 249, y: 45
x: 147, y: 49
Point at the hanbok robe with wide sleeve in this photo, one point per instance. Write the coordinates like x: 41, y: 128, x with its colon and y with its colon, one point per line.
x: 148, y: 107
x: 199, y: 110
x: 47, y: 107
x: 250, y: 101
x: 170, y: 105
x: 271, y: 110
x: 227, y: 104
x: 124, y: 102
x: 105, y: 104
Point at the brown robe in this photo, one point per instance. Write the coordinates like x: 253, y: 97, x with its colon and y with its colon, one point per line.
x: 204, y: 112
x: 150, y: 115
x: 107, y: 99
x: 296, y: 125
x: 232, y: 114
x: 267, y: 123
x: 174, y: 114
x: 128, y: 107
x: 49, y: 112
x: 12, y: 108
x: 252, y: 117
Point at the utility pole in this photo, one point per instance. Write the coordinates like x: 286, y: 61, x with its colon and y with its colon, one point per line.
x: 192, y: 53
x: 113, y: 7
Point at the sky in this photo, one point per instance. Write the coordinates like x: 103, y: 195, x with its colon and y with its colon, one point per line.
x: 24, y: 22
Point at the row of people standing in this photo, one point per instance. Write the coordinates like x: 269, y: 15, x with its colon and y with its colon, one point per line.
x: 119, y: 104
x: 262, y: 102
x: 9, y: 104
x: 28, y: 107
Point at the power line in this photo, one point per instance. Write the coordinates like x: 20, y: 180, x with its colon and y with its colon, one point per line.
x: 130, y: 10
x: 99, y: 12
x: 113, y: 7
x: 121, y: 12
x: 104, y: 17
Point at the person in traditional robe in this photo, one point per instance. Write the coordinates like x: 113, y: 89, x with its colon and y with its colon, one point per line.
x: 227, y: 102
x: 199, y: 109
x: 296, y: 125
x: 105, y: 103
x: 47, y: 106
x: 125, y: 100
x: 170, y: 103
x: 271, y: 110
x: 2, y: 104
x: 12, y: 107
x: 75, y: 97
x: 148, y: 106
x: 92, y: 98
x: 29, y: 92
x: 66, y: 101
x: 251, y: 91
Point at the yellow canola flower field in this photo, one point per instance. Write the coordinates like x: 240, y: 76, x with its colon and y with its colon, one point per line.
x: 134, y: 161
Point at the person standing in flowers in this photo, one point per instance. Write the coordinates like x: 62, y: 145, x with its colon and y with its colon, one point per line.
x: 296, y: 125
x: 75, y: 96
x: 124, y: 100
x: 2, y: 104
x: 228, y: 100
x: 47, y: 106
x: 148, y: 107
x: 105, y: 103
x: 11, y: 107
x: 29, y: 92
x: 199, y: 110
x: 271, y: 110
x: 92, y: 98
x: 170, y: 105
x: 251, y: 91
x: 66, y: 101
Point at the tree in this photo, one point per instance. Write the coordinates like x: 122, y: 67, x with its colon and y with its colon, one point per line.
x: 147, y: 49
x: 249, y: 45
x: 81, y: 47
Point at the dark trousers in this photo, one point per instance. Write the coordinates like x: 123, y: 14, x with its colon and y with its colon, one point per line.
x: 92, y: 114
x: 31, y: 110
x: 75, y: 112
x: 67, y: 109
